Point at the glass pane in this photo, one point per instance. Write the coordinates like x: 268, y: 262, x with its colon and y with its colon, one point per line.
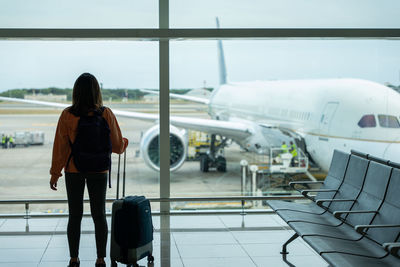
x: 367, y: 121
x: 79, y: 14
x: 286, y: 106
x: 387, y: 121
x: 46, y: 71
x: 288, y: 13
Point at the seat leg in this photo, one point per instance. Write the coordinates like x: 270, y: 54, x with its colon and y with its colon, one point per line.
x: 284, y: 251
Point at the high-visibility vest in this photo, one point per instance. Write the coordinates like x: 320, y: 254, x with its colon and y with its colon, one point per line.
x: 3, y: 140
x: 294, y: 150
x: 284, y: 148
x: 11, y: 140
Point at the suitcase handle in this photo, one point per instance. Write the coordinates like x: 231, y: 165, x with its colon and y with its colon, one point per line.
x: 119, y: 163
x: 123, y: 175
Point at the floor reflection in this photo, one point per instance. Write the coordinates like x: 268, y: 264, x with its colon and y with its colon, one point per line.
x: 190, y: 241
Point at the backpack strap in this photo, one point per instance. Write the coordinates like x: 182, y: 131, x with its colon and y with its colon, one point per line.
x: 100, y: 113
x: 109, y: 170
x: 101, y: 110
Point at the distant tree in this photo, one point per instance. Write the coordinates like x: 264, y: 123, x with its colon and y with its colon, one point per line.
x: 115, y: 94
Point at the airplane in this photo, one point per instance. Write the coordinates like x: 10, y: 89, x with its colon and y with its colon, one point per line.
x: 320, y: 115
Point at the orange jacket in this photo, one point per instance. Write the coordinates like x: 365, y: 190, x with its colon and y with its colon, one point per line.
x: 67, y: 130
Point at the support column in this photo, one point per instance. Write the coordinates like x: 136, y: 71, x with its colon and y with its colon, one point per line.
x: 163, y: 6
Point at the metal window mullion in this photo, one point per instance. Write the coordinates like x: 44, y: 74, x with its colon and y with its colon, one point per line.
x: 164, y: 107
x: 165, y: 33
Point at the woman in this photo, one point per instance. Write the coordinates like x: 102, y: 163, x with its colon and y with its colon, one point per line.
x: 86, y: 100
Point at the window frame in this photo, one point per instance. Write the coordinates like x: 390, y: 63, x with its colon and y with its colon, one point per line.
x: 163, y: 34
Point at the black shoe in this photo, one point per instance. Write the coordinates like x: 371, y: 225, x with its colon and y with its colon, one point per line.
x: 74, y: 264
x: 100, y: 265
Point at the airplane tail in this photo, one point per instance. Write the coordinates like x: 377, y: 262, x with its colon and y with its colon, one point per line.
x: 221, y: 60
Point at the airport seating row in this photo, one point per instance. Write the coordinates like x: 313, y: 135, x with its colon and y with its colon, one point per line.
x: 354, y: 218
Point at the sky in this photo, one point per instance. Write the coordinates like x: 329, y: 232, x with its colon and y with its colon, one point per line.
x: 134, y: 64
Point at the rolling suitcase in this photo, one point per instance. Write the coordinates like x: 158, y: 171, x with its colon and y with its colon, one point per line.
x: 131, y: 228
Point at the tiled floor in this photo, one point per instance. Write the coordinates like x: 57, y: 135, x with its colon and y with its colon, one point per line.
x: 228, y: 240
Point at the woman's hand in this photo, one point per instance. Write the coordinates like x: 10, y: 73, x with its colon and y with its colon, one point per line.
x: 126, y: 142
x: 53, y: 182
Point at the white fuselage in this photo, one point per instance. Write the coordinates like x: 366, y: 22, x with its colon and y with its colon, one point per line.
x: 325, y: 113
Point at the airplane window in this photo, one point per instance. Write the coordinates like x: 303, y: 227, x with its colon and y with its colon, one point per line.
x: 367, y: 121
x: 388, y: 121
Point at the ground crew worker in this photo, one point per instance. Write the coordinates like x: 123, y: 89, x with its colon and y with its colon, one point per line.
x: 284, y: 147
x: 293, y: 151
x: 7, y: 139
x: 3, y: 141
x: 11, y: 140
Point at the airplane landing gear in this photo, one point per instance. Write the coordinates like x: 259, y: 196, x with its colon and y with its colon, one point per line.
x: 204, y: 163
x: 211, y: 160
x: 221, y: 164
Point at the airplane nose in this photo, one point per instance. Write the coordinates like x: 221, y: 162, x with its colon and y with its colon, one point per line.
x: 392, y: 152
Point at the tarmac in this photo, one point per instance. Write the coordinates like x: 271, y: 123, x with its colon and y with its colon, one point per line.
x: 24, y: 171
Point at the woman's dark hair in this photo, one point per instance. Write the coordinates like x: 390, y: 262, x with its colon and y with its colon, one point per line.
x: 86, y: 95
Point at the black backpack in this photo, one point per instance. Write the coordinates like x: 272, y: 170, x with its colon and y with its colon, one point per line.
x: 92, y: 148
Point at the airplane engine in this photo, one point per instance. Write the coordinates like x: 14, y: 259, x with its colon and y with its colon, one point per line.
x: 149, y: 147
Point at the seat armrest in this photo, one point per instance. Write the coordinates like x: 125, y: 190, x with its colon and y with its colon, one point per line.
x: 360, y: 228
x: 386, y: 246
x: 292, y: 184
x: 340, y: 212
x: 305, y: 192
x: 320, y: 201
x: 392, y: 248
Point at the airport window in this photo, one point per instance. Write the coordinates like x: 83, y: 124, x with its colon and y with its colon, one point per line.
x: 278, y: 57
x: 367, y: 121
x: 51, y: 78
x: 388, y: 121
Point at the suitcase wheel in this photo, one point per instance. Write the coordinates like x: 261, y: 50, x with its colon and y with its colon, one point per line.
x: 150, y: 259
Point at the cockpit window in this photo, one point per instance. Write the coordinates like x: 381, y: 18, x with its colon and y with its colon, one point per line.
x: 388, y: 121
x: 367, y: 121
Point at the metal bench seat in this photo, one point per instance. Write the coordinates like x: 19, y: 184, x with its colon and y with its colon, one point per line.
x: 346, y: 260
x: 362, y: 212
x: 362, y: 247
x: 343, y: 200
x: 384, y: 228
x: 328, y: 189
x: 361, y: 226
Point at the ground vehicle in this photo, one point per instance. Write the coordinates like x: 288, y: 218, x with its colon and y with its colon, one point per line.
x: 22, y: 138
x: 36, y: 138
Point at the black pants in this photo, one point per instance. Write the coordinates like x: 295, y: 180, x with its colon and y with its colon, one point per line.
x: 97, y: 186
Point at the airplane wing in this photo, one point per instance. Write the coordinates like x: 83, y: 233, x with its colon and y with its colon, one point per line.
x: 42, y: 103
x: 184, y: 97
x: 228, y: 129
